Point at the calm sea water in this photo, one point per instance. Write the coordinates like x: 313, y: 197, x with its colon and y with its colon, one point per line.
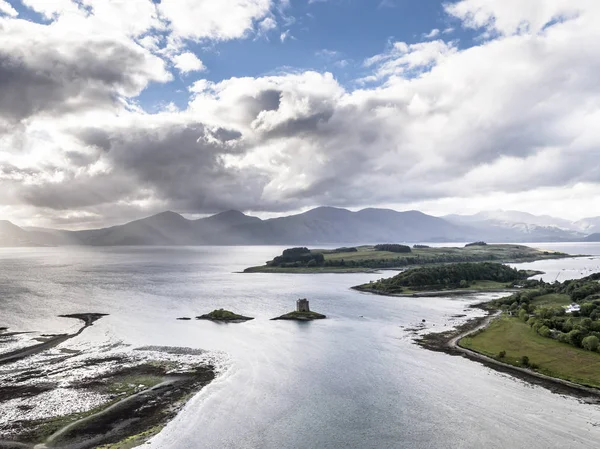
x: 355, y: 380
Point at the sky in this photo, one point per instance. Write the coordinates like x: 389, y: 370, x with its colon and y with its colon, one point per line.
x: 111, y: 110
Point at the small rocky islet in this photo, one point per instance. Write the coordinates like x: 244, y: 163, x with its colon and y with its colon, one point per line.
x: 302, y: 313
x: 224, y: 316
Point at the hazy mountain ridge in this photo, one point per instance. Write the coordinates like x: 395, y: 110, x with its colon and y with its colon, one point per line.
x: 515, y: 225
x: 319, y: 226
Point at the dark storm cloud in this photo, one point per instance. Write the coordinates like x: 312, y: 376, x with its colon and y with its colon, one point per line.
x: 77, y: 191
x: 95, y: 137
x: 181, y: 164
x: 46, y: 75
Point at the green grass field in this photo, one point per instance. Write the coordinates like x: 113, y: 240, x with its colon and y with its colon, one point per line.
x: 552, y: 300
x: 499, y: 253
x: 475, y: 287
x: 307, y: 270
x: 368, y: 259
x: 553, y: 358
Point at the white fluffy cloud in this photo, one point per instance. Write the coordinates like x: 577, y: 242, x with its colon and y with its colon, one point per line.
x: 188, y: 62
x: 6, y: 8
x: 209, y: 19
x: 432, y: 125
x: 511, y: 16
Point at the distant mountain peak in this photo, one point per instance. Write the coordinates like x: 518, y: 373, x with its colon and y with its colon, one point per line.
x: 230, y: 217
x: 8, y: 225
x: 230, y: 213
x: 166, y: 216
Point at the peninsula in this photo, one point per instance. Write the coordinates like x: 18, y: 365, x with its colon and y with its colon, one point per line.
x: 395, y: 256
x: 546, y: 333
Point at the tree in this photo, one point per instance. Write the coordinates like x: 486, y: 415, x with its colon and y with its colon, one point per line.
x: 523, y: 315
x: 544, y: 331
x: 590, y: 343
x: 575, y: 337
x: 587, y: 309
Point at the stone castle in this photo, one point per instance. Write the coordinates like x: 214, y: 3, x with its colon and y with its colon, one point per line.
x: 302, y: 305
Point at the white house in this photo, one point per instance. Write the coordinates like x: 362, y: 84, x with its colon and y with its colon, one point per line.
x: 572, y: 308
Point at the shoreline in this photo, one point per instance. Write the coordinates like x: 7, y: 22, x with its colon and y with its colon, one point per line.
x: 435, y: 293
x: 449, y: 343
x: 322, y: 269
x: 137, y: 392
x: 19, y: 354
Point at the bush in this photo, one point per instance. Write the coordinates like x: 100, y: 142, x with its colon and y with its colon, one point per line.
x: 544, y: 331
x: 501, y: 354
x: 575, y: 337
x: 525, y: 360
x: 590, y: 343
x: 393, y: 248
x: 297, y: 257
x: 476, y: 244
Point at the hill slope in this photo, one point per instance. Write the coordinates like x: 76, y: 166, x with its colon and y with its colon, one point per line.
x: 320, y: 226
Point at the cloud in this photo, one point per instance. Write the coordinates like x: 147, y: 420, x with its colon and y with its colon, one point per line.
x: 432, y: 123
x: 408, y: 59
x: 267, y: 25
x: 432, y: 34
x: 44, y: 69
x: 207, y: 19
x: 286, y: 35
x: 513, y: 16
x: 328, y: 54
x: 188, y: 62
x: 7, y: 9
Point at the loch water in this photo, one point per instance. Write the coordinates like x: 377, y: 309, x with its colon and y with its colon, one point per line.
x: 355, y: 380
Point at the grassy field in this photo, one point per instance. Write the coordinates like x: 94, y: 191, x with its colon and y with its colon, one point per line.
x: 475, y: 287
x: 307, y: 270
x: 368, y: 258
x: 498, y: 253
x: 552, y: 300
x: 555, y: 359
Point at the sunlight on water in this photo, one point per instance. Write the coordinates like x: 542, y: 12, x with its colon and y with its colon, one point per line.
x: 354, y: 380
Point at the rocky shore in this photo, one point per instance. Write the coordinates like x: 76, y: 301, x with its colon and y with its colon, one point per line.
x: 79, y: 396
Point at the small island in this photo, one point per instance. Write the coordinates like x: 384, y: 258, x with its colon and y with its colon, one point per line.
x: 456, y: 278
x: 396, y: 256
x: 302, y: 313
x: 224, y: 316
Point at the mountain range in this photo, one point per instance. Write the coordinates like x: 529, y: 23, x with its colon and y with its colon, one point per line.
x: 320, y: 226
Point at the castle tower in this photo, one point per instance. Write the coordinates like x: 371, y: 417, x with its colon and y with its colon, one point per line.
x: 302, y: 305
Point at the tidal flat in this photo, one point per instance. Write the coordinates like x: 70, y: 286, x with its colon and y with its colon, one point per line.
x: 55, y: 393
